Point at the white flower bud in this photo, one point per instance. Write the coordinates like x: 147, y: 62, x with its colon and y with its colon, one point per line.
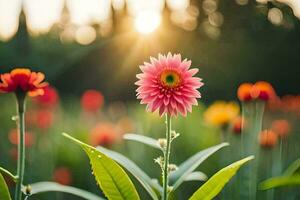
x: 172, y: 167
x: 159, y: 160
x: 162, y: 143
x: 174, y: 134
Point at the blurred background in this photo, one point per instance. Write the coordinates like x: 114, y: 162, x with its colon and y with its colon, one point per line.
x: 102, y: 42
x: 90, y: 51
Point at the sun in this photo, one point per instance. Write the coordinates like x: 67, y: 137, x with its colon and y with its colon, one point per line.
x: 147, y: 21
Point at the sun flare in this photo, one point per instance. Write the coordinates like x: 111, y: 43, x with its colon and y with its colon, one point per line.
x: 147, y: 22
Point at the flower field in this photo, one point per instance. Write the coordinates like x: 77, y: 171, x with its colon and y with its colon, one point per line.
x: 149, y: 100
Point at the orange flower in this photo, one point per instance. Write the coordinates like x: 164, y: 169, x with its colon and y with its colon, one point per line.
x: 263, y: 90
x: 260, y: 90
x: 92, y: 101
x: 103, y: 134
x: 268, y: 138
x: 62, y: 175
x: 281, y: 127
x: 13, y: 138
x: 244, y: 92
x: 23, y: 80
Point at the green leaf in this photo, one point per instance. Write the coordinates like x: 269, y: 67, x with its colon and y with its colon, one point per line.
x: 143, y: 139
x: 5, y: 171
x: 42, y: 187
x: 292, y: 168
x: 214, y: 185
x: 4, y: 192
x: 112, y: 179
x: 136, y: 171
x: 196, y: 176
x: 177, y: 177
x: 280, y: 181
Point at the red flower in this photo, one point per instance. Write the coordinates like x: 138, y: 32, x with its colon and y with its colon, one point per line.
x: 268, y: 139
x: 23, y: 80
x: 281, y: 127
x: 49, y: 98
x: 237, y: 125
x: 260, y: 90
x: 44, y: 119
x: 103, y: 134
x: 13, y: 138
x: 92, y: 101
x: 62, y: 175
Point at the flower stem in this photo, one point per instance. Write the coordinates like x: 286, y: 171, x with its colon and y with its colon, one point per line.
x: 21, y: 145
x: 166, y: 158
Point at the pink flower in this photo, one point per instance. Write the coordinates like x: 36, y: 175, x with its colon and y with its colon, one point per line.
x: 167, y: 84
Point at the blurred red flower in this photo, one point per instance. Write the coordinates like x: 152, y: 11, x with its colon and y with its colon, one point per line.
x: 237, y: 125
x: 260, y: 90
x: 291, y: 103
x: 13, y: 138
x: 44, y: 119
x: 281, y: 127
x: 63, y: 176
x: 268, y: 138
x: 49, y: 98
x: 104, y: 134
x: 22, y: 79
x: 92, y: 101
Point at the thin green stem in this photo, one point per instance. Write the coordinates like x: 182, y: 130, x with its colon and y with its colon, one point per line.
x: 21, y: 146
x: 166, y: 158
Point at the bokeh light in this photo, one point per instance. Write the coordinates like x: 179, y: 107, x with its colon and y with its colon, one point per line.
x: 147, y: 22
x: 216, y: 19
x: 275, y: 16
x: 84, y: 12
x: 41, y: 15
x: 9, y: 18
x: 209, y: 6
x: 178, y: 4
x: 85, y: 35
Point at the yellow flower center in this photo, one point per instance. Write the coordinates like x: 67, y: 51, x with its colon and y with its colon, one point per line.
x: 170, y: 79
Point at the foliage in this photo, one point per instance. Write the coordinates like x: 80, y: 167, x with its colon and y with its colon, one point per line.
x: 111, y: 178
x: 4, y: 192
x: 214, y: 185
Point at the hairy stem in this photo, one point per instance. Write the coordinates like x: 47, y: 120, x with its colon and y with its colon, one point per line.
x: 166, y: 158
x: 21, y: 145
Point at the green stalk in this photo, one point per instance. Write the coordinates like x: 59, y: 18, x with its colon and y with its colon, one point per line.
x: 21, y: 144
x: 166, y: 158
x: 253, y: 117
